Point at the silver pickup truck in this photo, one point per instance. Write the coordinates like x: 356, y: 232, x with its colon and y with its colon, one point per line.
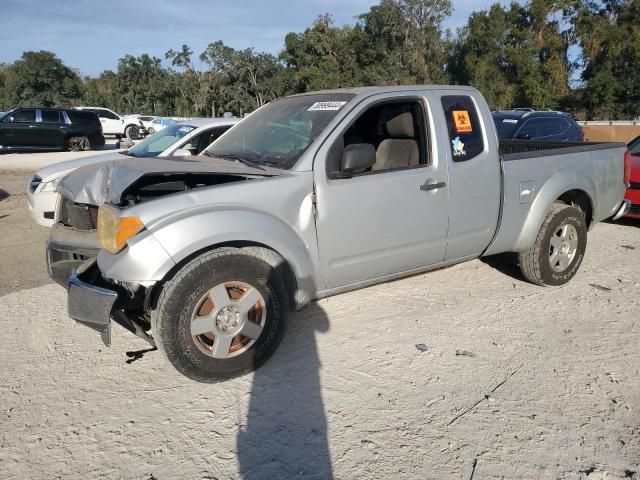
x: 310, y: 196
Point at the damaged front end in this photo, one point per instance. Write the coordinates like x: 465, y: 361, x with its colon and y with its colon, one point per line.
x: 94, y: 301
x: 74, y: 242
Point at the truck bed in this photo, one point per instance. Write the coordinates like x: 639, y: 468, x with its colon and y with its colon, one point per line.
x: 595, y: 168
x: 521, y: 149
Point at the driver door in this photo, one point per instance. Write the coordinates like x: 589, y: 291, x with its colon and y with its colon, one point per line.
x: 392, y: 217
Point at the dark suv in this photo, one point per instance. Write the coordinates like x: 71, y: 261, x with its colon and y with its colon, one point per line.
x: 50, y: 128
x: 541, y: 125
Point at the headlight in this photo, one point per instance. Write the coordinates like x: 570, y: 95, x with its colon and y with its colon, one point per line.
x: 49, y: 186
x: 114, y: 231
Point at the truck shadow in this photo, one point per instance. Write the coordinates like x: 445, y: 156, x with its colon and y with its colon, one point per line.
x: 506, y: 263
x: 285, y: 435
x: 625, y: 222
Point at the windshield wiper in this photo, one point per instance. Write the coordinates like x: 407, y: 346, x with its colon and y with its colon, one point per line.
x: 233, y: 156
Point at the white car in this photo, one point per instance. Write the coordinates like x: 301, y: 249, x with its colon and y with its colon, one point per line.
x: 159, y: 123
x: 117, y: 125
x: 146, y: 121
x: 182, y: 139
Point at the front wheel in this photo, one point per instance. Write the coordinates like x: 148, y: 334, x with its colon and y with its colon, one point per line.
x: 557, y: 253
x: 221, y: 316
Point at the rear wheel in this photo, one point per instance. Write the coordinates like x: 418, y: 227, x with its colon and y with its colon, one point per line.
x: 78, y: 144
x: 557, y: 253
x: 221, y: 316
x: 132, y: 132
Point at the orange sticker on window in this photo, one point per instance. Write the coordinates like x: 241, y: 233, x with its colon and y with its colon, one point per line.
x: 462, y: 121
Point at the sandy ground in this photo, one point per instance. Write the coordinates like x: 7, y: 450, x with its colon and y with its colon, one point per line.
x: 508, y: 380
x: 22, y: 241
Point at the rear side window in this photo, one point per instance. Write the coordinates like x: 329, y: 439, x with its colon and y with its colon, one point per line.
x: 50, y: 116
x: 553, y: 126
x: 106, y: 114
x: 465, y: 133
x: 530, y: 129
x: 82, y: 116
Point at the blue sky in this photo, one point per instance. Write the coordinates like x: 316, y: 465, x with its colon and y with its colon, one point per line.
x: 90, y: 35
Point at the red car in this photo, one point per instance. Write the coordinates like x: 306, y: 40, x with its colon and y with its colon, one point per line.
x: 633, y: 193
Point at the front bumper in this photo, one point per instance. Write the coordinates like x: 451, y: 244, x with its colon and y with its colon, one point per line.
x: 90, y: 304
x: 633, y: 195
x: 67, y: 249
x: 42, y: 206
x: 94, y: 302
x: 623, y: 210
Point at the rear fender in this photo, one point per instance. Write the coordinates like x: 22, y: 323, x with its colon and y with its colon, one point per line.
x: 552, y: 189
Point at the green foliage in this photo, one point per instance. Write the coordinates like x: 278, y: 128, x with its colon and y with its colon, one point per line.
x: 39, y: 78
x: 609, y: 35
x: 517, y: 55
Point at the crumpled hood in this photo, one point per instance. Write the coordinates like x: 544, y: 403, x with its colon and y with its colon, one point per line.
x: 60, y: 169
x: 105, y: 182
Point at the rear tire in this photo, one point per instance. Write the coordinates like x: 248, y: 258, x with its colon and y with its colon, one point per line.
x: 78, y: 144
x: 557, y: 253
x: 207, y: 308
x: 132, y: 132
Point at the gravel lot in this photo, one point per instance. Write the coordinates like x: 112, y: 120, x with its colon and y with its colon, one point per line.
x: 508, y: 380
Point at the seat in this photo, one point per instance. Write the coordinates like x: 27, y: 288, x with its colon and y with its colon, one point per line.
x: 401, y: 150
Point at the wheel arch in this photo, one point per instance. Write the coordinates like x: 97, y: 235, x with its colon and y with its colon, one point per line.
x: 297, y: 296
x: 564, y: 187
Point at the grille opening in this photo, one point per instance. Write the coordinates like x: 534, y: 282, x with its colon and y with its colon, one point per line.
x: 79, y: 216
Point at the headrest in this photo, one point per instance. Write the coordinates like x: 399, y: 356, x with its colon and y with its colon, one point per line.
x: 401, y: 126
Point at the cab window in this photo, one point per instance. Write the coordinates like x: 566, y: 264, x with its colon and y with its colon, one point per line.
x: 466, y: 140
x: 395, y: 131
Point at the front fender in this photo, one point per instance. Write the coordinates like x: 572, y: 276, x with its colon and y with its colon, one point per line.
x: 556, y: 185
x: 200, y: 231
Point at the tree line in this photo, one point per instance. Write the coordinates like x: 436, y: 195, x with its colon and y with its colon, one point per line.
x: 580, y: 56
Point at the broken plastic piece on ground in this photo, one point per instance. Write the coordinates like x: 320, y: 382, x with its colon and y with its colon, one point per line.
x: 421, y: 346
x: 600, y: 287
x: 138, y: 354
x: 464, y: 353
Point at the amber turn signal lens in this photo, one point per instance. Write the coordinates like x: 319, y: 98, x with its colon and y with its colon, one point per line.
x: 114, y: 231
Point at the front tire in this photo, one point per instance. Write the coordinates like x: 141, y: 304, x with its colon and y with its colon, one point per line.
x: 557, y: 253
x: 221, y: 316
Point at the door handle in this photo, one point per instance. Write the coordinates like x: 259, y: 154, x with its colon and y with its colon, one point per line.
x: 432, y: 186
x: 32, y: 126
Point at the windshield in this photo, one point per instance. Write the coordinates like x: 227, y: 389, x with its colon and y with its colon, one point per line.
x: 279, y: 133
x: 634, y: 147
x: 505, y: 126
x: 155, y: 144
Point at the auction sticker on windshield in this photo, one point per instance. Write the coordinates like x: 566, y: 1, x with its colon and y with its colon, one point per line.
x: 462, y: 121
x: 326, y: 106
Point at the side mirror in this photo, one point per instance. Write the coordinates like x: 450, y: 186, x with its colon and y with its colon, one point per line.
x: 524, y: 136
x: 357, y: 158
x: 182, y: 152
